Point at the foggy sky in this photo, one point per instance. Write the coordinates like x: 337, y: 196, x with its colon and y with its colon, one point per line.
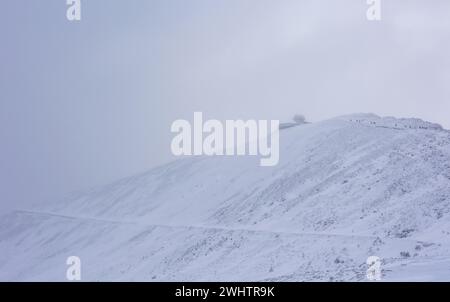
x: 84, y: 103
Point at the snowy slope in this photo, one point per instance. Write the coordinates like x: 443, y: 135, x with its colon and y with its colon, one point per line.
x: 345, y: 189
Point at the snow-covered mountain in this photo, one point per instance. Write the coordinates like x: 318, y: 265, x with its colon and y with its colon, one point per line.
x: 344, y: 189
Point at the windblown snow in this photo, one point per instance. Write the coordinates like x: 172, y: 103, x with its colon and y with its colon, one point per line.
x: 345, y: 189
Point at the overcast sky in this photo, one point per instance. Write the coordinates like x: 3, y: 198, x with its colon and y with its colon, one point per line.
x: 84, y: 103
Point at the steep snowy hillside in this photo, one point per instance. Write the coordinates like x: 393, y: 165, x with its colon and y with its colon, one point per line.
x: 345, y: 189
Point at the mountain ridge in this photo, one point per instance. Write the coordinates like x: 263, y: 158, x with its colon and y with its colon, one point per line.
x: 382, y: 184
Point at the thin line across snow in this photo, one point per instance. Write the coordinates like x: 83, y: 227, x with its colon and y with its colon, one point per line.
x: 205, y: 227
